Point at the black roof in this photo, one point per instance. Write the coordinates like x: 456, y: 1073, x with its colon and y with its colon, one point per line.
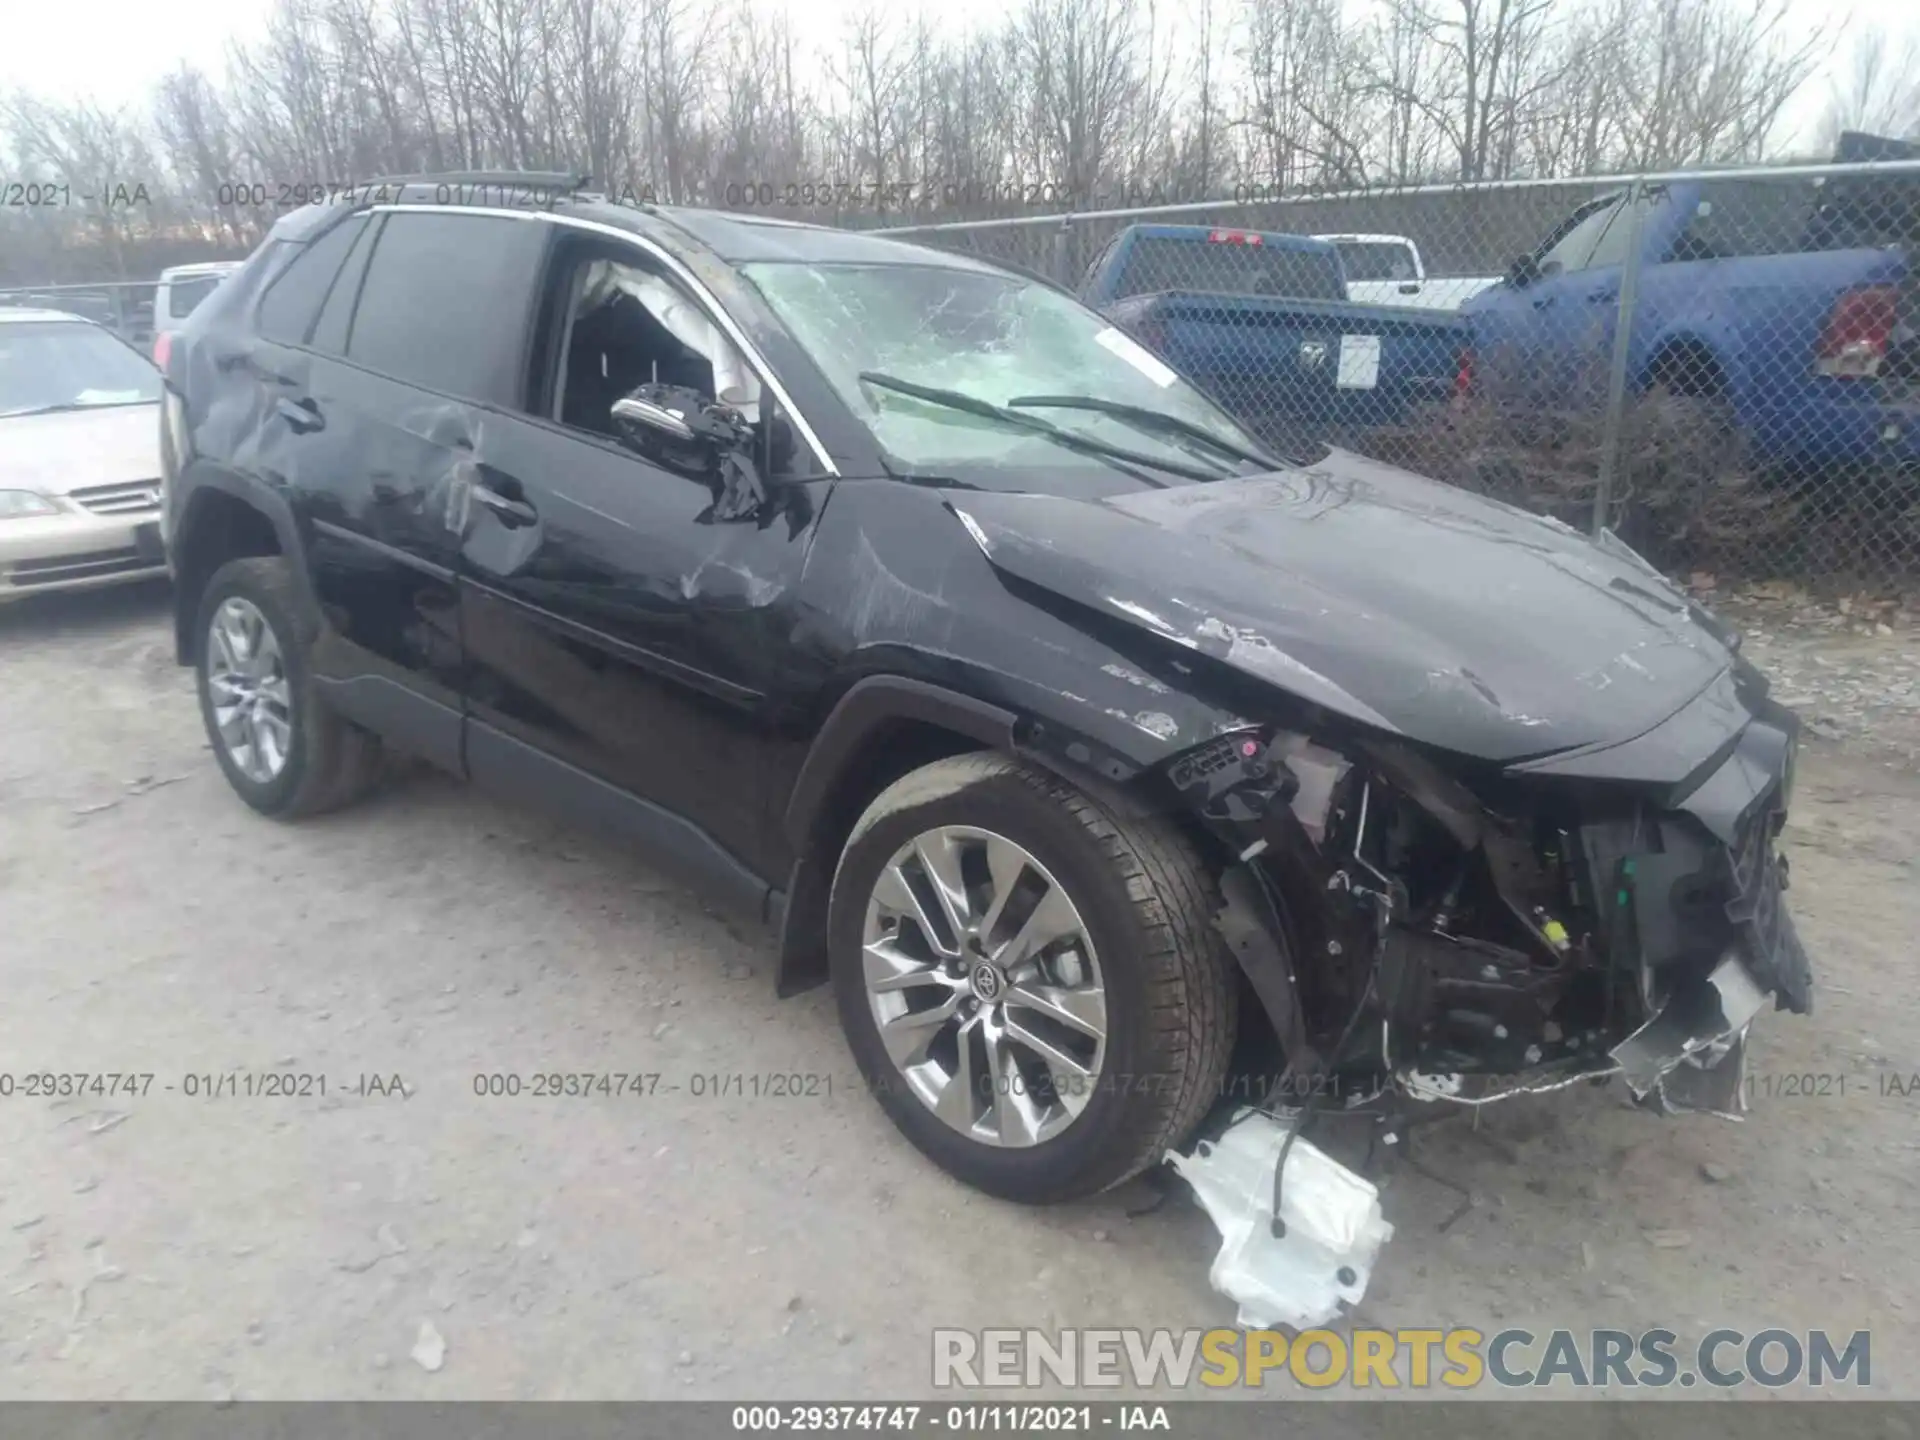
x: 732, y: 237
x: 745, y: 239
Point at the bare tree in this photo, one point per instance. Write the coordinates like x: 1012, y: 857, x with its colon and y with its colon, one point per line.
x: 1880, y: 92
x: 1086, y: 84
x: 870, y: 84
x: 101, y: 156
x: 1709, y: 80
x: 1079, y: 96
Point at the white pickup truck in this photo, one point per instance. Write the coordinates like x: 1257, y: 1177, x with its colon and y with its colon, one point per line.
x: 1387, y: 270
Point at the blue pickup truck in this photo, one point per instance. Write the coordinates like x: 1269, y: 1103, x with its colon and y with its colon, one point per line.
x: 1796, y: 330
x: 1262, y: 322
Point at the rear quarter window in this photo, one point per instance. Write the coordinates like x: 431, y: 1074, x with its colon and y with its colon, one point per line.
x: 292, y: 302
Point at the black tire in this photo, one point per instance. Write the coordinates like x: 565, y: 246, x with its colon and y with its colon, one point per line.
x: 329, y: 761
x: 1147, y: 901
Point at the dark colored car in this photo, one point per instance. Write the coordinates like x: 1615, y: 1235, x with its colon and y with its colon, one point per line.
x: 1087, y: 748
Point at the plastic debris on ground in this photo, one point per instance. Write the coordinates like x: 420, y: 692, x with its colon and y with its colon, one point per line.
x: 1334, y: 1228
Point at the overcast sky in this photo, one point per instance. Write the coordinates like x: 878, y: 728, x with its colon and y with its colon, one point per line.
x: 114, y: 50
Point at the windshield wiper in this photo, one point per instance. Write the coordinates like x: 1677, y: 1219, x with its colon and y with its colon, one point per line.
x: 68, y: 406
x: 1034, y: 425
x: 1158, y: 421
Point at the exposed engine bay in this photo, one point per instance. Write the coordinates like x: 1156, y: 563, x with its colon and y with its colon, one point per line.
x: 1409, y: 933
x: 1417, y: 940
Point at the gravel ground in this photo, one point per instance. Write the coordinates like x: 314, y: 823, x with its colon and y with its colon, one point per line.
x: 683, y: 1245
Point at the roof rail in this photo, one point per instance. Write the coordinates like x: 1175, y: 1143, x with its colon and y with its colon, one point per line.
x: 563, y: 180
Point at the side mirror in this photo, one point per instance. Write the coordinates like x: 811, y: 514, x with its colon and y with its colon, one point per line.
x: 680, y: 428
x: 1523, y: 272
x: 661, y: 411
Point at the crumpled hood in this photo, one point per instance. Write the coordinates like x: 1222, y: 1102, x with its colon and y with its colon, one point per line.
x: 72, y: 449
x: 1392, y: 599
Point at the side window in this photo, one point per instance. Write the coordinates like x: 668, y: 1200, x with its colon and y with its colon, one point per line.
x: 1569, y: 251
x: 1086, y: 280
x: 445, y: 301
x: 1741, y: 222
x: 336, y: 315
x: 288, y: 309
x: 184, y: 296
x: 1612, y: 246
x: 615, y: 322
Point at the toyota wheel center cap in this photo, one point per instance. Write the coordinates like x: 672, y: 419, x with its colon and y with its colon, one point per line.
x: 987, y: 981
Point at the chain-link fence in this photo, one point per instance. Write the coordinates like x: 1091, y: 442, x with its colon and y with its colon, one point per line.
x: 124, y: 306
x: 1724, y: 366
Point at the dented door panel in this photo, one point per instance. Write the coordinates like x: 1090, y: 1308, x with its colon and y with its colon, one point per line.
x: 623, y: 634
x: 355, y: 456
x: 369, y: 494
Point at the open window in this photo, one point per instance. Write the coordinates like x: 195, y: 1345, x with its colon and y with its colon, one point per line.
x: 616, y: 322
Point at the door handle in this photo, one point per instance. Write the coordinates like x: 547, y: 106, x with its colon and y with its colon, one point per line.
x: 1602, y: 297
x: 302, y: 414
x: 513, y: 513
x: 1542, y: 302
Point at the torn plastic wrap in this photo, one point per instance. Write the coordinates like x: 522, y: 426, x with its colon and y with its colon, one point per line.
x: 1333, y: 1225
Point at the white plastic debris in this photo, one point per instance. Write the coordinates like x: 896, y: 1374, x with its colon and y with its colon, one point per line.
x: 1334, y: 1229
x: 429, y: 1347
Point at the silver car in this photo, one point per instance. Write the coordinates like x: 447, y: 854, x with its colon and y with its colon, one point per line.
x: 79, y: 456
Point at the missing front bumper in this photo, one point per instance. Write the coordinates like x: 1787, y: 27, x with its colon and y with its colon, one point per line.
x: 1692, y: 1054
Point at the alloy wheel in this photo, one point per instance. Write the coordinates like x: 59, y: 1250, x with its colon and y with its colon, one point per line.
x: 247, y: 685
x: 984, y: 985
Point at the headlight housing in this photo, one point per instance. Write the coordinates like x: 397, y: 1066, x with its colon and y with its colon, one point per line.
x: 24, y: 504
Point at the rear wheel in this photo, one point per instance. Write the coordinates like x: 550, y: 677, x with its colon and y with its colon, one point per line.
x: 281, y: 749
x: 1030, y: 984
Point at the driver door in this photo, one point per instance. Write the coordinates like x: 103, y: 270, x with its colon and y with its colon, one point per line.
x: 620, y: 640
x: 1546, y: 343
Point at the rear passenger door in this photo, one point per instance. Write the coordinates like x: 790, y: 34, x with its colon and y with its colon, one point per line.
x: 420, y: 342
x: 388, y: 651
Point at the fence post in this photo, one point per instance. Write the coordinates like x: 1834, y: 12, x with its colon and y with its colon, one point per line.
x: 1617, y: 371
x: 1061, y: 258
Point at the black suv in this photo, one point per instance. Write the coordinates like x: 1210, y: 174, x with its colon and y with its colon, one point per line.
x: 1093, y: 751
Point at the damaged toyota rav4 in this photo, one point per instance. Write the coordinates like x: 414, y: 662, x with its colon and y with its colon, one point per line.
x: 1095, y: 754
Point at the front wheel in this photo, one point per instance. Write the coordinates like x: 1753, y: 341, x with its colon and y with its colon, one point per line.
x: 1030, y: 984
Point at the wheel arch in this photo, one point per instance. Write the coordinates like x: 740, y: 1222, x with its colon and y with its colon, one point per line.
x: 225, y: 517
x: 1688, y: 364
x: 885, y: 727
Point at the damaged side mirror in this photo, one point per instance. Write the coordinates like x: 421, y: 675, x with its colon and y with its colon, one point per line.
x: 681, y: 429
x: 680, y: 417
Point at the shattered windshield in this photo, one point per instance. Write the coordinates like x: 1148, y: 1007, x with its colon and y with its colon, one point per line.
x: 995, y: 338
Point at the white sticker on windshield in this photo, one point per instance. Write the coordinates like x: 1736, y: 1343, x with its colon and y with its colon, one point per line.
x: 1359, y: 362
x: 1137, y: 356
